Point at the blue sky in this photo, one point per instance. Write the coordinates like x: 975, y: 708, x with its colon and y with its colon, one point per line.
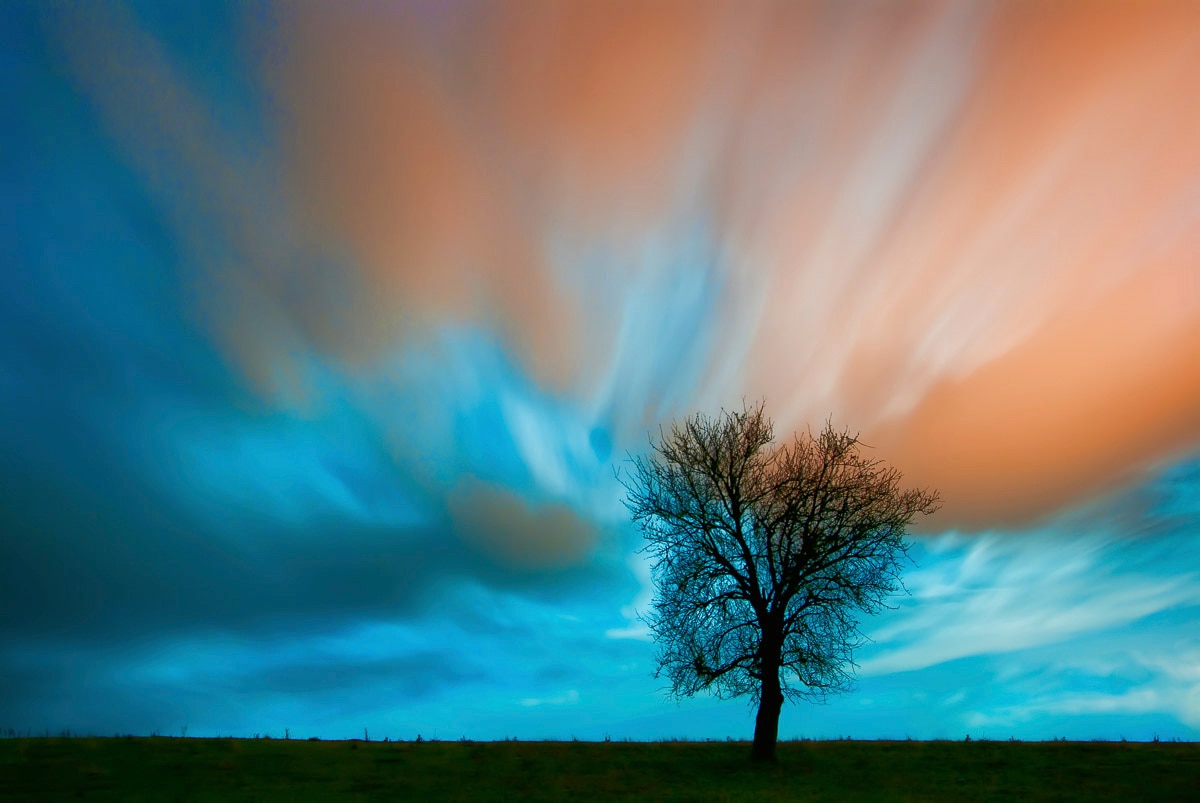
x: 322, y: 331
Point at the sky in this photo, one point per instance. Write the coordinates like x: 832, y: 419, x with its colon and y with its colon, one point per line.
x: 325, y: 327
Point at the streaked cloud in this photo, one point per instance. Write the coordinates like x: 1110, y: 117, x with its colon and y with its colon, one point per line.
x: 1075, y: 577
x: 1006, y: 204
x: 324, y: 325
x: 513, y: 531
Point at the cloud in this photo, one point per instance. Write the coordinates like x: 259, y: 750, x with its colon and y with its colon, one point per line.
x: 1125, y: 560
x: 983, y: 604
x: 635, y: 628
x: 515, y: 531
x: 117, y: 531
x: 1071, y: 412
x: 1092, y: 683
x: 282, y: 281
x: 201, y: 680
x: 570, y: 697
x: 996, y: 289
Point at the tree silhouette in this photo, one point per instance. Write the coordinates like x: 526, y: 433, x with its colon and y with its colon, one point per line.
x: 763, y: 556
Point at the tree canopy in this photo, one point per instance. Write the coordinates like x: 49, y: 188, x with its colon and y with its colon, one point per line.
x: 763, y: 556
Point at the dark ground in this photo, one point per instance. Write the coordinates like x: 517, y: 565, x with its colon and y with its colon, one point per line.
x: 164, y: 769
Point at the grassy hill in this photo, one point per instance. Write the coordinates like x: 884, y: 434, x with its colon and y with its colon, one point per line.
x: 163, y: 769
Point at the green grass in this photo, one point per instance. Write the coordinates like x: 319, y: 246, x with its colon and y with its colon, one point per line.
x: 164, y: 769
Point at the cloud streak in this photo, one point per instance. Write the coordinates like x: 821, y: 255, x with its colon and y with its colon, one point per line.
x: 325, y: 324
x: 967, y: 230
x: 973, y: 598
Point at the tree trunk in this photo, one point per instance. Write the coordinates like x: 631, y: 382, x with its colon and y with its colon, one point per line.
x: 766, y: 724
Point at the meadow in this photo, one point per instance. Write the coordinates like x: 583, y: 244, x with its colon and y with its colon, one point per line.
x: 226, y: 769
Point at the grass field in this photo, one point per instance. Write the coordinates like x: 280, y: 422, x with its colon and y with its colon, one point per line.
x: 164, y: 769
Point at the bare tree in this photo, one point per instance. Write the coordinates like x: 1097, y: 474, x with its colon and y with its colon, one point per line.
x: 763, y: 557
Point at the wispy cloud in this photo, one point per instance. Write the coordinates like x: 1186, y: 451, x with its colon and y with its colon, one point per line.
x: 570, y: 697
x: 1088, y: 615
x: 329, y: 314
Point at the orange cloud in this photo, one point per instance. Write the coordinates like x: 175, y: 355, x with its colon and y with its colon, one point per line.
x: 506, y: 527
x: 1014, y: 319
x: 970, y: 230
x: 1080, y: 406
x: 967, y: 230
